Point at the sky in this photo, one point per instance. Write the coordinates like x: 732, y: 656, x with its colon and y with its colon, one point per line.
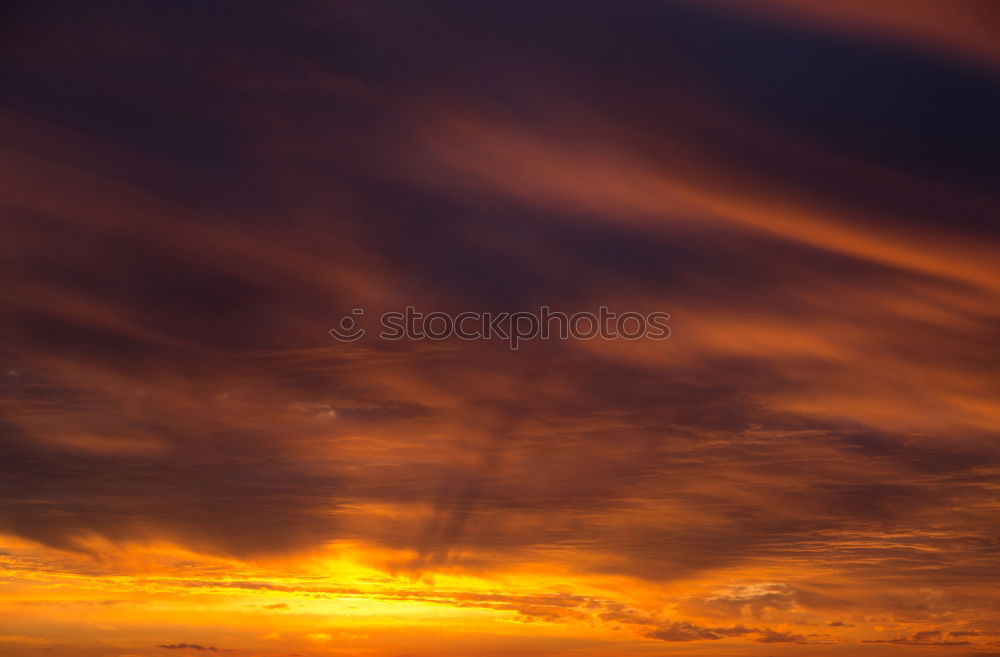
x: 195, y: 193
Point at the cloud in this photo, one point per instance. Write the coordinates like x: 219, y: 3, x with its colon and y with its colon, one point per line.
x: 188, y: 646
x: 770, y: 636
x: 814, y: 445
x: 953, y: 29
x: 683, y: 631
x: 925, y: 638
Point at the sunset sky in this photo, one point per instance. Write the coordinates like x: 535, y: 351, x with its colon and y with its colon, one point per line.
x: 195, y: 192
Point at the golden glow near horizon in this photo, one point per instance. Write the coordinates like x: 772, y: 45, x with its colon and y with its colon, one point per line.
x: 355, y: 599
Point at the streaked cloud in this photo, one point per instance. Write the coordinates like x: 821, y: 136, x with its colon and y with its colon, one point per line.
x: 195, y: 195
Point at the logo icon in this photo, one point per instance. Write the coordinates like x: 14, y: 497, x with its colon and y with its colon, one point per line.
x: 348, y: 330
